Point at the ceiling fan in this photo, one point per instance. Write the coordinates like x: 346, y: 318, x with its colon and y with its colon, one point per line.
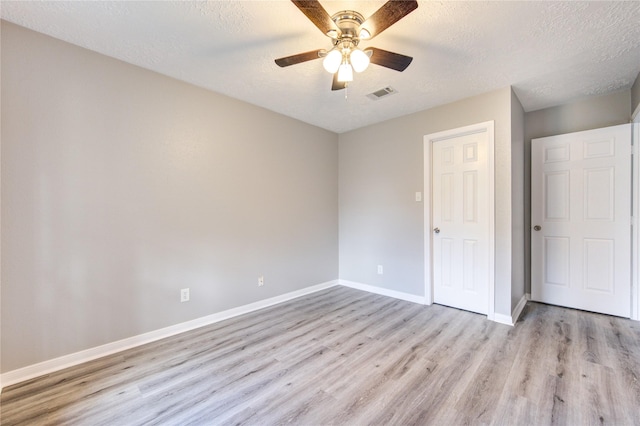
x: 347, y: 29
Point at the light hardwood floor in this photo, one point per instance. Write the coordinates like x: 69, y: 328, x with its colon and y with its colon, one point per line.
x: 342, y: 356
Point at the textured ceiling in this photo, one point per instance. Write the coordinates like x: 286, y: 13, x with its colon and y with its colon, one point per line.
x: 550, y: 52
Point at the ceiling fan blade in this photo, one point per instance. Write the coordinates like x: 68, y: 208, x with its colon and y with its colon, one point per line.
x: 316, y: 14
x: 337, y: 85
x: 390, y: 13
x: 387, y: 59
x: 299, y: 58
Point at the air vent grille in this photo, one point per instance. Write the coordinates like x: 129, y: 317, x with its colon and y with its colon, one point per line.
x: 382, y: 93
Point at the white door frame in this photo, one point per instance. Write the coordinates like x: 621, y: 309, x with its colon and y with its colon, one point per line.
x: 635, y: 243
x: 487, y: 126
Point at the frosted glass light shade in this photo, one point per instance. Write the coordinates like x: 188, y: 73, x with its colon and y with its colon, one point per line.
x: 332, y: 61
x: 359, y: 60
x: 345, y: 73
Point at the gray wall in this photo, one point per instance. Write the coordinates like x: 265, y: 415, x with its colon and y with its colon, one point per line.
x: 586, y: 114
x: 121, y: 186
x: 635, y: 94
x: 518, y: 251
x: 381, y: 168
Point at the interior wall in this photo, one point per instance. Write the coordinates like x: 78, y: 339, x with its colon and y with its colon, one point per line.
x: 586, y: 114
x: 635, y: 95
x: 381, y: 168
x: 1, y: 386
x: 121, y: 186
x: 519, y: 252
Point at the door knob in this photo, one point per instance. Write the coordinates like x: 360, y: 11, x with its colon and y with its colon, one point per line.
x: 537, y: 228
x: 436, y: 230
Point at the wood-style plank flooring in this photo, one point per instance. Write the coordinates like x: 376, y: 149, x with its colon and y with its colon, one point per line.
x: 346, y: 357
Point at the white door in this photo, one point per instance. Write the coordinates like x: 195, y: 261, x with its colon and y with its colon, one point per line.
x: 460, y: 219
x: 581, y: 219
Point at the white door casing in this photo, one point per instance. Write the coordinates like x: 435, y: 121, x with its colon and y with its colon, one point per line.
x: 635, y: 261
x: 459, y: 259
x: 581, y: 219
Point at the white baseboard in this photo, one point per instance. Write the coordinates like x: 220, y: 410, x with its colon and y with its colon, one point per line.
x: 513, y: 318
x: 16, y: 376
x: 384, y: 292
x: 517, y: 311
x: 502, y: 319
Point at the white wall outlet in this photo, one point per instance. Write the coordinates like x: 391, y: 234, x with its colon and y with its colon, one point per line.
x: 184, y: 295
x: 380, y: 270
x: 418, y: 196
x: 260, y: 281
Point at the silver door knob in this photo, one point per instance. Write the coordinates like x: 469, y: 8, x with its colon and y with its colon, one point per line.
x: 537, y: 228
x: 436, y: 230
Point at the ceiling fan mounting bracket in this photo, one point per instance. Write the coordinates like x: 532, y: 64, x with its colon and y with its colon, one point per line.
x: 348, y: 23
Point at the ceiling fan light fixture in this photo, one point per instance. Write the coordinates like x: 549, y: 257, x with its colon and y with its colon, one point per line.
x: 332, y: 61
x: 359, y: 60
x: 345, y: 73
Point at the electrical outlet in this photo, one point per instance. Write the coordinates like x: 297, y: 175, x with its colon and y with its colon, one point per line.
x: 184, y: 295
x: 380, y: 270
x: 260, y: 281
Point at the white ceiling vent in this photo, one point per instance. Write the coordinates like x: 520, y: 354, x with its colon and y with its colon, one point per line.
x: 382, y: 93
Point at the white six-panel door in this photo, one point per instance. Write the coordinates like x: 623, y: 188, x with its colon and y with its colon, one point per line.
x: 581, y: 213
x: 460, y: 215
